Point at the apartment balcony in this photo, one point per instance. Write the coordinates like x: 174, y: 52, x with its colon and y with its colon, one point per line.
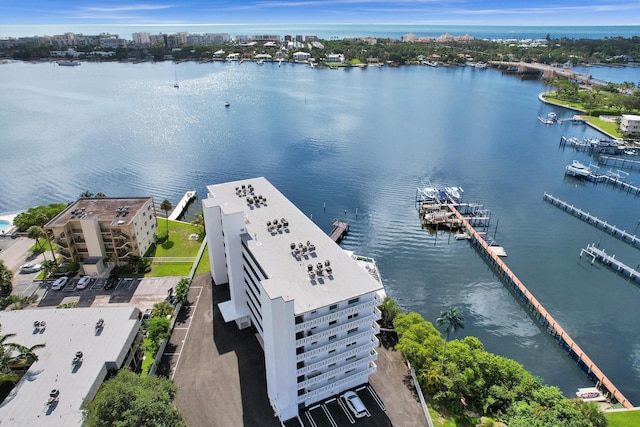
x: 340, y: 357
x: 338, y: 371
x: 62, y: 243
x: 355, y: 323
x: 320, y: 393
x: 338, y: 314
x: 324, y: 349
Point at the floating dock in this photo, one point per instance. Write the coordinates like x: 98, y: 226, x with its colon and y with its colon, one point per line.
x: 544, y: 317
x: 188, y: 197
x: 600, y: 255
x: 593, y: 220
x: 340, y: 229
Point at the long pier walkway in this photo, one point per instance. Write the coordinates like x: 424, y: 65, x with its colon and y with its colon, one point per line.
x: 598, y: 254
x: 544, y: 317
x: 593, y: 220
x: 182, y: 205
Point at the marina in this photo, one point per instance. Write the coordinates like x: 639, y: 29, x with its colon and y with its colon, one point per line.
x: 595, y: 221
x: 613, y: 178
x: 592, y: 145
x: 545, y: 318
x: 600, y: 255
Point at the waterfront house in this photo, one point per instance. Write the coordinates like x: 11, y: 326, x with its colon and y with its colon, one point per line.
x: 630, y: 125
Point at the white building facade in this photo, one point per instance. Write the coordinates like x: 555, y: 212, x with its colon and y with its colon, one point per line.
x: 313, y: 305
x: 630, y: 124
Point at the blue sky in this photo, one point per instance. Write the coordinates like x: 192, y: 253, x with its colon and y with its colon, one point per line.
x: 462, y: 12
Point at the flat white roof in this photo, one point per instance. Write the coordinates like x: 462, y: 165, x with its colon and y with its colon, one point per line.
x: 67, y: 331
x: 287, y: 274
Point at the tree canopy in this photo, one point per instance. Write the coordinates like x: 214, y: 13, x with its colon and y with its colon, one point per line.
x: 129, y: 400
x: 39, y: 215
x: 485, y: 384
x: 6, y: 277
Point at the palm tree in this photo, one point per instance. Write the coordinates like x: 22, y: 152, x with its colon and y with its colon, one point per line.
x: 35, y: 232
x: 452, y: 321
x: 48, y: 266
x: 26, y: 355
x: 86, y: 194
x: 198, y: 221
x: 100, y: 195
x: 166, y: 206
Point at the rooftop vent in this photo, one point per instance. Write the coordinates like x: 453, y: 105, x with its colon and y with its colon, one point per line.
x: 77, y: 358
x: 100, y: 323
x: 53, y: 396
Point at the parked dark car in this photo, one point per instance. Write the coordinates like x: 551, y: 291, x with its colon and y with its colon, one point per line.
x: 111, y: 282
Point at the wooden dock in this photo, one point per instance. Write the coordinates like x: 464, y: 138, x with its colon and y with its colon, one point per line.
x: 615, y: 179
x: 544, y: 317
x: 593, y: 220
x: 182, y: 205
x: 340, y: 229
x: 600, y: 255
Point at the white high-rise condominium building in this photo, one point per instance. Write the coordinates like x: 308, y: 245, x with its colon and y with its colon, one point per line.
x: 313, y: 305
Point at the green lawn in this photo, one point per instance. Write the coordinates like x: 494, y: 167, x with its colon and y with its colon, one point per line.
x: 177, y: 245
x: 609, y: 127
x: 623, y: 418
x: 148, y: 359
x: 165, y: 269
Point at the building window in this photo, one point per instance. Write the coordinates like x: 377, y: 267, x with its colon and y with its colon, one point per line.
x: 350, y: 358
x: 351, y: 331
x: 332, y: 351
x: 332, y: 337
x: 353, y: 316
x: 349, y: 371
x: 353, y: 300
x: 352, y: 343
x: 333, y: 307
x: 332, y: 365
x: 333, y: 322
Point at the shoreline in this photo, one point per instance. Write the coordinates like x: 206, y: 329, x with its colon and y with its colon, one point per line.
x: 602, y: 131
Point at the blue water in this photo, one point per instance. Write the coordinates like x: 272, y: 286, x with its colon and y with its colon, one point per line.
x: 329, y: 31
x: 4, y: 224
x: 340, y: 141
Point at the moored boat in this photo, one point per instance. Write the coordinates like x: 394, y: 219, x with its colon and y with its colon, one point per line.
x: 67, y: 63
x: 578, y: 169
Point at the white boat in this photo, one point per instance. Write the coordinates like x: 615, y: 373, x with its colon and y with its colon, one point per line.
x: 454, y: 193
x: 67, y: 63
x: 481, y: 65
x: 430, y: 193
x: 578, y: 169
x: 630, y: 152
x: 176, y: 85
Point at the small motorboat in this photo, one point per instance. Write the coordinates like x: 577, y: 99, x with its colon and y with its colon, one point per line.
x: 227, y: 104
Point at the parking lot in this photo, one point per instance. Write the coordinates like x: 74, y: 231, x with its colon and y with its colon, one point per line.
x: 334, y: 412
x: 142, y: 293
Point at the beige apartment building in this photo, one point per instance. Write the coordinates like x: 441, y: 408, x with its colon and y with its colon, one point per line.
x: 93, y: 231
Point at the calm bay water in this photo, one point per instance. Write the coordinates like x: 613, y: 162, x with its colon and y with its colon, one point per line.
x: 347, y: 141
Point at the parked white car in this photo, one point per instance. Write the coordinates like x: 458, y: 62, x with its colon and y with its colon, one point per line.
x: 354, y: 404
x: 30, y: 268
x: 83, y: 282
x: 59, y: 283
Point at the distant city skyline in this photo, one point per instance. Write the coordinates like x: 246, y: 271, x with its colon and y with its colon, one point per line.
x: 435, y: 12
